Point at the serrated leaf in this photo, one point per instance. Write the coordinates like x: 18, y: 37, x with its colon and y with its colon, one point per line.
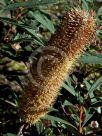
x: 69, y: 89
x: 88, y: 86
x: 95, y: 85
x: 28, y: 29
x: 70, y: 126
x: 39, y: 127
x: 32, y: 32
x: 29, y: 4
x: 87, y: 118
x: 44, y: 21
x: 14, y: 22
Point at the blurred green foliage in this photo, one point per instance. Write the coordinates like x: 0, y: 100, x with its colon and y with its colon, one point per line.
x: 26, y: 26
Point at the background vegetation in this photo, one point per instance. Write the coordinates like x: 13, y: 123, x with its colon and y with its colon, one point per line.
x: 27, y: 25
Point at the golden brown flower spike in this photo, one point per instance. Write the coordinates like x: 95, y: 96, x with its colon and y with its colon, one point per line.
x: 72, y: 36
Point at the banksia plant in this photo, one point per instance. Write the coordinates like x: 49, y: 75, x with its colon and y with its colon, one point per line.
x: 54, y: 63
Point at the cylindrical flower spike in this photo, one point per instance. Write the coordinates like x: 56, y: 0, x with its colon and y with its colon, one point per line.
x: 55, y: 61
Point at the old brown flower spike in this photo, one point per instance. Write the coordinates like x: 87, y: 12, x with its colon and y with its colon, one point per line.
x: 55, y: 61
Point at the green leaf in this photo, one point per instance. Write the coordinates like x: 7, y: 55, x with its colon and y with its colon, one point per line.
x: 2, y: 2
x: 97, y: 104
x: 91, y: 94
x: 69, y: 89
x: 90, y: 59
x: 32, y: 32
x: 39, y: 127
x: 99, y: 13
x: 28, y: 29
x: 9, y: 134
x: 47, y: 132
x: 74, y: 78
x: 90, y: 1
x: 29, y: 4
x: 68, y: 80
x: 87, y: 118
x: 66, y: 103
x: 14, y: 22
x: 88, y: 86
x: 70, y: 126
x: 52, y: 109
x: 99, y: 34
x: 44, y: 21
x: 95, y: 85
x: 84, y: 5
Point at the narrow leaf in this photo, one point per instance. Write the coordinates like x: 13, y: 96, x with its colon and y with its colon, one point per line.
x: 70, y: 126
x: 95, y: 85
x: 87, y: 118
x: 45, y: 21
x: 28, y: 4
x: 90, y: 59
x: 69, y: 89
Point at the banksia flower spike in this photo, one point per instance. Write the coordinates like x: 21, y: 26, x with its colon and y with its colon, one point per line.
x: 55, y: 61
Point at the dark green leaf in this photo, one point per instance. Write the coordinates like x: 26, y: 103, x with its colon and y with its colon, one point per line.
x: 29, y: 4
x: 45, y: 21
x: 87, y: 117
x: 70, y: 126
x: 95, y: 85
x: 69, y: 89
x: 9, y: 134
